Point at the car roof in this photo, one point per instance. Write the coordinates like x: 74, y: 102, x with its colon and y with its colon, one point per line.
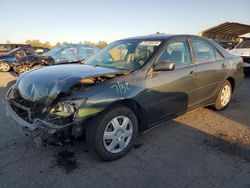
x: 164, y: 37
x: 160, y: 37
x: 75, y: 45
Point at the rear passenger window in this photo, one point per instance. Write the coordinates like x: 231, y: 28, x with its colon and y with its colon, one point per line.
x: 176, y: 52
x: 203, y: 52
x: 71, y: 51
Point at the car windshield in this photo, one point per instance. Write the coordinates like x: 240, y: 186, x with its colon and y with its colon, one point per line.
x: 53, y: 51
x: 244, y: 44
x: 12, y: 51
x: 125, y: 54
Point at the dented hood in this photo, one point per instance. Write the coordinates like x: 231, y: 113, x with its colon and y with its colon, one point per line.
x: 45, y: 84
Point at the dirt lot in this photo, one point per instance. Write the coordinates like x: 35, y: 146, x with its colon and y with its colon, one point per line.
x: 203, y: 148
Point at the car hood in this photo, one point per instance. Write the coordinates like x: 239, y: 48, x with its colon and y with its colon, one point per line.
x: 43, y: 85
x: 240, y: 51
x: 2, y: 57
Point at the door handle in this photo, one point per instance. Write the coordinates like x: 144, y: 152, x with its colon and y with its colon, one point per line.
x: 193, y: 74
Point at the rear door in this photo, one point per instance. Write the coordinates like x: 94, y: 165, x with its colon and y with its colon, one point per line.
x: 209, y: 70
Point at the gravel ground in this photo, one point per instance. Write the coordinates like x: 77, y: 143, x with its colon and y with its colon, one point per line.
x: 202, y: 148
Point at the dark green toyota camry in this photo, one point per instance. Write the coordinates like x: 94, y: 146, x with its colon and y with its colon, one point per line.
x: 126, y: 88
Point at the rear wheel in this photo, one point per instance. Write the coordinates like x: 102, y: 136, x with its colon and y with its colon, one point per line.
x: 224, y: 96
x: 4, y: 67
x: 112, y: 134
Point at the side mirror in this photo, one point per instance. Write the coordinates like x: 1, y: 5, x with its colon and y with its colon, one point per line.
x: 164, y: 66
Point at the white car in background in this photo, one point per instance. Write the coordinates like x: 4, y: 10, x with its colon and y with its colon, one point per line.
x: 243, y: 50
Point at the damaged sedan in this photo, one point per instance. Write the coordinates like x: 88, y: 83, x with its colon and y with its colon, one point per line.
x: 69, y: 53
x: 8, y: 59
x: 128, y: 87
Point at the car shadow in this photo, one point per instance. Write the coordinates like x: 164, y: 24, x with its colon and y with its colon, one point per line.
x: 238, y: 109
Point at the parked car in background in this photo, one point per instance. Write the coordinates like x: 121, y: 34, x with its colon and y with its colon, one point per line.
x: 40, y: 50
x: 70, y: 53
x: 228, y: 45
x: 243, y: 50
x: 128, y: 87
x: 8, y: 47
x: 8, y: 59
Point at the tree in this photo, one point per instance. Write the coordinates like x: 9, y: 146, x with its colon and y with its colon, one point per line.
x: 101, y: 44
x: 89, y: 43
x: 65, y: 42
x: 158, y: 33
x: 37, y: 43
x: 58, y: 44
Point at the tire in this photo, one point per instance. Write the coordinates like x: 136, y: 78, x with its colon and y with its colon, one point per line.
x: 21, y: 69
x: 224, y: 96
x: 119, y: 139
x: 5, y: 67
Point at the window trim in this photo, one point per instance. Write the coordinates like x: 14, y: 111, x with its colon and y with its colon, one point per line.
x: 204, y: 42
x: 209, y: 44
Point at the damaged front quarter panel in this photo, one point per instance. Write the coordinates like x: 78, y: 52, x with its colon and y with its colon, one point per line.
x: 44, y: 85
x: 38, y: 93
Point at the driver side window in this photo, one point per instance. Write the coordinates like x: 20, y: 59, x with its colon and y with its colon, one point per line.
x: 176, y: 52
x: 19, y: 54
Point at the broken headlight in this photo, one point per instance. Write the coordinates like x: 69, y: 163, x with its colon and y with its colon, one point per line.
x: 67, y: 108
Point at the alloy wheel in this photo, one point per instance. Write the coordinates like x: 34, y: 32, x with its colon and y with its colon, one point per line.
x: 4, y: 67
x: 225, y: 95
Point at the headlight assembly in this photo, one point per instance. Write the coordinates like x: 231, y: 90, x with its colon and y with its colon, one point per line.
x: 67, y: 108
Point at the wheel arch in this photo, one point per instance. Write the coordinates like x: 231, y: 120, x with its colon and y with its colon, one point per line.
x: 232, y: 82
x: 135, y: 107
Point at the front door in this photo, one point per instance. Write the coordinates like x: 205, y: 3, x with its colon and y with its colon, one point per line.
x: 170, y: 93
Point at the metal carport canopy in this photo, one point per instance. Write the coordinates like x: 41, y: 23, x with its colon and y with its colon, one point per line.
x: 226, y: 31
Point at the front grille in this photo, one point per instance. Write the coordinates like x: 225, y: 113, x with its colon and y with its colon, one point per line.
x: 23, y: 111
x: 246, y: 59
x: 26, y: 109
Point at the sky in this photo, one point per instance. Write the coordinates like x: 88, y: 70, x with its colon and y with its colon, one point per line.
x: 109, y: 20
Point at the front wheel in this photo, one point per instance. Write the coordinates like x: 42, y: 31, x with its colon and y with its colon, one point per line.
x: 4, y: 67
x: 224, y: 96
x: 112, y: 134
x: 21, y: 69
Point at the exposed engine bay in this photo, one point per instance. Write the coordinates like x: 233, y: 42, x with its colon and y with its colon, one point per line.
x: 29, y: 62
x: 62, y: 110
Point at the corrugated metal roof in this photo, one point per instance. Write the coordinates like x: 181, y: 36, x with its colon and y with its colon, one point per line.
x: 226, y: 31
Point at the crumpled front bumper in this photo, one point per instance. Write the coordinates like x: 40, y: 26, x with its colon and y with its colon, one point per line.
x: 39, y: 130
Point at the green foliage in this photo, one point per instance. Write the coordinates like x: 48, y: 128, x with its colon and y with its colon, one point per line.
x: 101, y: 44
x: 89, y: 43
x: 158, y: 33
x: 37, y: 43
